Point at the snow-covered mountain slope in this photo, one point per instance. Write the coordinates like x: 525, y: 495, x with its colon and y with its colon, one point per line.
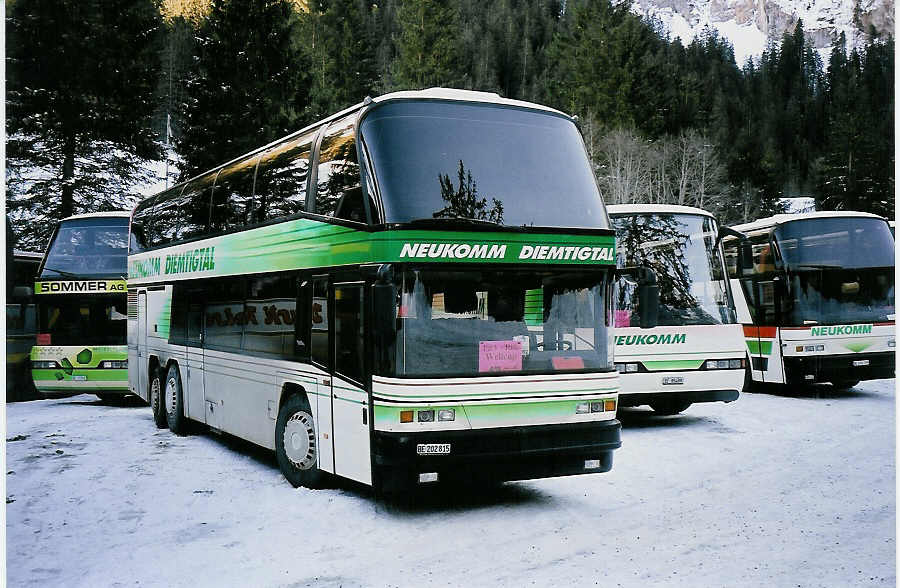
x: 751, y: 24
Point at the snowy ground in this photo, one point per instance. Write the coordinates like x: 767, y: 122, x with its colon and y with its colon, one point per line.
x: 767, y: 491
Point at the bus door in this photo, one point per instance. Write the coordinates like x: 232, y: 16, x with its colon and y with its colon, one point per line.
x: 320, y: 353
x: 349, y: 399
x: 195, y: 390
x: 143, y: 383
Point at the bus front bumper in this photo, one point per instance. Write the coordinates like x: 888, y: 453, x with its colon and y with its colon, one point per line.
x: 839, y: 368
x: 509, y: 453
x: 691, y: 396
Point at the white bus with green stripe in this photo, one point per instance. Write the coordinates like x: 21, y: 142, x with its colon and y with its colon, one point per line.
x: 354, y: 296
x: 80, y: 293
x: 818, y: 301
x: 693, y: 349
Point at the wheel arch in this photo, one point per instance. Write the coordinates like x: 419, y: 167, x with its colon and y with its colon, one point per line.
x: 293, y: 389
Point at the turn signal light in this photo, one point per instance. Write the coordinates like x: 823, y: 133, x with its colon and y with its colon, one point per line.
x: 406, y: 416
x: 609, y: 405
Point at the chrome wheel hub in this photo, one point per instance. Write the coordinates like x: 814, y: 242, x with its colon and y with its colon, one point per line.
x: 300, y: 440
x: 170, y: 396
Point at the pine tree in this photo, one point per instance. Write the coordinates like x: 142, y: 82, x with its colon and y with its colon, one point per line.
x: 250, y: 84
x: 81, y: 75
x: 426, y: 48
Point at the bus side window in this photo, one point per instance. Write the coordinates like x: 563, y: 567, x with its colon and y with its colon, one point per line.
x: 318, y: 319
x: 339, y: 191
x: 233, y: 196
x: 270, y: 312
x: 178, y: 319
x: 281, y: 182
x: 193, y: 207
x: 348, y: 331
x: 302, y: 324
x: 164, y: 215
x: 224, y: 314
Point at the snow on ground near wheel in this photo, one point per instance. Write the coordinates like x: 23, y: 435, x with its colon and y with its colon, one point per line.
x: 767, y: 491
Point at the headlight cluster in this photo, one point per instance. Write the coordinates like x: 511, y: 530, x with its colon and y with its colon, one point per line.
x: 44, y: 365
x: 627, y: 368
x: 607, y: 405
x: 724, y: 364
x: 802, y: 348
x: 115, y: 364
x: 427, y: 416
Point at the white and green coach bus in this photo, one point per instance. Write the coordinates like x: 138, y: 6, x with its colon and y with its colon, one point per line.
x: 353, y: 296
x: 694, y: 349
x: 817, y: 303
x: 80, y: 293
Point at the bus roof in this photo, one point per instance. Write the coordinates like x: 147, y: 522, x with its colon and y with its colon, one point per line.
x: 447, y: 94
x: 780, y: 219
x: 108, y: 214
x: 656, y: 209
x: 453, y: 94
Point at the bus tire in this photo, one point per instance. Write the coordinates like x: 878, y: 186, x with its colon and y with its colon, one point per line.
x: 156, y: 400
x: 669, y: 407
x: 844, y: 384
x: 296, y: 446
x: 174, y: 402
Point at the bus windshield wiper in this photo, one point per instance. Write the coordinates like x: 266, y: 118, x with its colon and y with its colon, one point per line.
x: 815, y: 266
x: 61, y: 272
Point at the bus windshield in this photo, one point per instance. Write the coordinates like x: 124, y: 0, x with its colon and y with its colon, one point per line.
x: 83, y: 320
x: 471, y: 323
x: 840, y: 270
x: 477, y: 163
x: 88, y: 248
x: 681, y: 249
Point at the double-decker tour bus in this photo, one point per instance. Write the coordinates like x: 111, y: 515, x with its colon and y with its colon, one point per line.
x: 80, y: 293
x: 817, y: 303
x: 21, y: 320
x: 354, y: 296
x: 694, y: 349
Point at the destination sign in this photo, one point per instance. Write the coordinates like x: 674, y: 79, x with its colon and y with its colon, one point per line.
x: 81, y: 287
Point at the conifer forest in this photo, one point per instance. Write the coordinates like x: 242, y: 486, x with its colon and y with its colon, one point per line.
x: 105, y: 96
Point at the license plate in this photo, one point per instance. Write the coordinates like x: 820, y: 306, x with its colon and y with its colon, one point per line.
x: 79, y: 378
x: 432, y: 448
x: 860, y: 362
x: 672, y: 380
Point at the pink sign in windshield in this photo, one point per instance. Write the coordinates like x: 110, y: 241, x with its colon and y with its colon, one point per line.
x: 499, y: 356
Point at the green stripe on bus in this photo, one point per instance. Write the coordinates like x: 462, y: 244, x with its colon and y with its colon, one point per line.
x: 96, y: 375
x: 492, y: 415
x: 673, y: 364
x: 306, y: 243
x: 388, y: 396
x: 759, y: 347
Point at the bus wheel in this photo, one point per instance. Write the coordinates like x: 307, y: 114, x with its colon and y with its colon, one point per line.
x: 845, y: 384
x: 156, y: 400
x: 174, y: 399
x: 295, y: 444
x: 667, y: 407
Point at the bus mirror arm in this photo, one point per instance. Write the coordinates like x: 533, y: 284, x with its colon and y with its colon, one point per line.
x: 647, y: 292
x: 649, y: 296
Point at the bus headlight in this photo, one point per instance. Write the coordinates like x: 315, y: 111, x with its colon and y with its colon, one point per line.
x: 426, y: 416
x: 892, y: 343
x: 735, y: 364
x: 446, y: 414
x: 629, y: 368
x: 44, y: 365
x: 114, y: 365
x: 583, y: 408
